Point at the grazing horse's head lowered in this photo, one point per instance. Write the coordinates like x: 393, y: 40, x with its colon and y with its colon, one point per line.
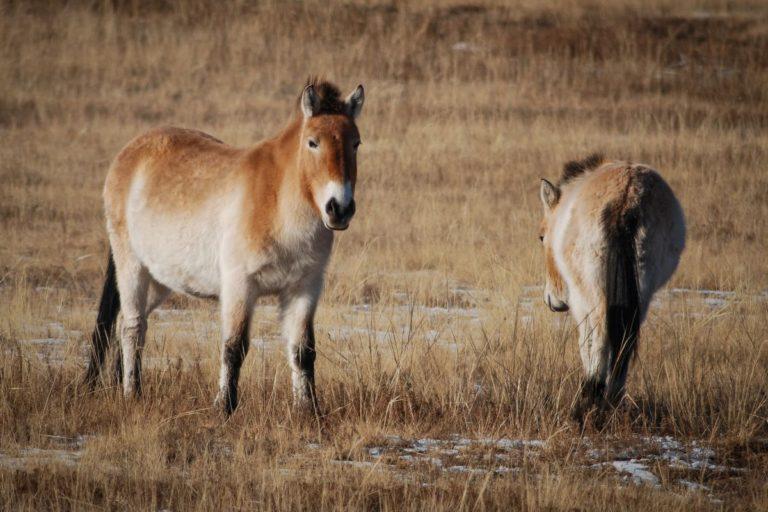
x: 555, y: 289
x: 328, y: 153
x: 612, y: 233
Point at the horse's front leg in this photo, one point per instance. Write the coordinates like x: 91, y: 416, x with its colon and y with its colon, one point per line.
x: 236, y: 306
x: 298, y: 310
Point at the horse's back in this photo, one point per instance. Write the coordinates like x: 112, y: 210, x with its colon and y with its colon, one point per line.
x: 619, y: 190
x: 178, y: 168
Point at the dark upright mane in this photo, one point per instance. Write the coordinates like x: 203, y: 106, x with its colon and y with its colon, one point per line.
x: 329, y: 100
x: 576, y: 168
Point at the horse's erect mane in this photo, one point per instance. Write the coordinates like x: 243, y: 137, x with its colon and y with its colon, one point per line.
x: 329, y: 100
x: 576, y: 168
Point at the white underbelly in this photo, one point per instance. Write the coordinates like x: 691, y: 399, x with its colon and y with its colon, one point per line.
x: 181, y: 252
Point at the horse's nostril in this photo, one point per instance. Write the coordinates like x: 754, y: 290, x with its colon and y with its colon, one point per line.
x: 351, y: 208
x: 332, y: 207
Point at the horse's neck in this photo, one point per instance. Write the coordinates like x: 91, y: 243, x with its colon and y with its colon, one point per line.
x: 295, y: 216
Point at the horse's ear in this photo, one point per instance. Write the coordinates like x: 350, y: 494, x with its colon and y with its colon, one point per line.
x: 550, y: 194
x: 308, y: 101
x: 355, y: 101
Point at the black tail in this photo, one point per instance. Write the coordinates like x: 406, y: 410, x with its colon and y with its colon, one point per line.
x: 623, y: 301
x: 104, y: 331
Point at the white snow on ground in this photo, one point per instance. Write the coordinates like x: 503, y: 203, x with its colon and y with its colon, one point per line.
x: 452, y: 454
x: 44, y: 341
x: 67, y: 453
x: 637, y: 461
x: 52, y: 340
x: 693, y: 486
x: 633, y: 461
x: 473, y: 313
x: 693, y: 456
x: 31, y: 457
x: 637, y: 471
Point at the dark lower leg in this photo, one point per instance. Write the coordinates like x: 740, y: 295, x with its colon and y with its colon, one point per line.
x: 303, y: 357
x: 591, y: 395
x: 235, y: 350
x: 117, y: 375
x: 618, y: 380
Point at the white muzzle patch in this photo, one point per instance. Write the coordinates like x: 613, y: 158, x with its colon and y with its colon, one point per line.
x: 342, y: 193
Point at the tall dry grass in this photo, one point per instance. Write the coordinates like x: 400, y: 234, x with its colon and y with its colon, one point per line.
x: 428, y: 326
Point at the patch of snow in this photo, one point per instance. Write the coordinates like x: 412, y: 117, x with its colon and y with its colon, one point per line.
x: 692, y: 291
x: 357, y: 463
x: 422, y: 445
x: 693, y: 486
x: 73, y: 443
x: 715, y: 302
x: 44, y: 341
x: 463, y: 46
x: 37, y: 456
x: 637, y: 471
x: 665, y: 442
x: 445, y: 311
x: 695, y: 457
x: 510, y: 444
x: 464, y: 469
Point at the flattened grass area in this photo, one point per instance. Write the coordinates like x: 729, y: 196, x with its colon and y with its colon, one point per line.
x: 445, y: 382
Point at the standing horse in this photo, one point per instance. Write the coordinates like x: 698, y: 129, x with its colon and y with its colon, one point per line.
x: 612, y: 233
x: 187, y: 213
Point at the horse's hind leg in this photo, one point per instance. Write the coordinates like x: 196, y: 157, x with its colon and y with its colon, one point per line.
x: 595, y: 354
x: 156, y: 295
x: 133, y: 282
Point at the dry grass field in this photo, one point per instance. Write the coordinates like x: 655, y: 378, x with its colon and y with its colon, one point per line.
x: 445, y: 380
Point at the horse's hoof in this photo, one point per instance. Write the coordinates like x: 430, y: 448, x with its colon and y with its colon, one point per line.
x: 225, y: 404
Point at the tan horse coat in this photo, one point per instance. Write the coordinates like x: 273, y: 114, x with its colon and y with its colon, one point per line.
x: 612, y: 233
x: 187, y: 213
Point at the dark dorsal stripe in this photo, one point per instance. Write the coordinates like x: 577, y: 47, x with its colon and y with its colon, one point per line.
x: 576, y: 168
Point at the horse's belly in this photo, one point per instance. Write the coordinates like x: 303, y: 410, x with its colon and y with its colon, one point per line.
x: 181, y: 254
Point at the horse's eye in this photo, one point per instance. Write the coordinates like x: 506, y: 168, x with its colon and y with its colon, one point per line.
x: 312, y: 143
x: 541, y: 238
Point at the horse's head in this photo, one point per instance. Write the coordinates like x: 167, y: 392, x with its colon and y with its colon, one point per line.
x: 328, y: 151
x: 555, y: 289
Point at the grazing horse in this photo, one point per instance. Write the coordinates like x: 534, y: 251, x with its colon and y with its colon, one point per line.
x: 187, y: 213
x: 612, y: 234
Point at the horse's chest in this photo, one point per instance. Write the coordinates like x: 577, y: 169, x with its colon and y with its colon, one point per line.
x: 283, y: 269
